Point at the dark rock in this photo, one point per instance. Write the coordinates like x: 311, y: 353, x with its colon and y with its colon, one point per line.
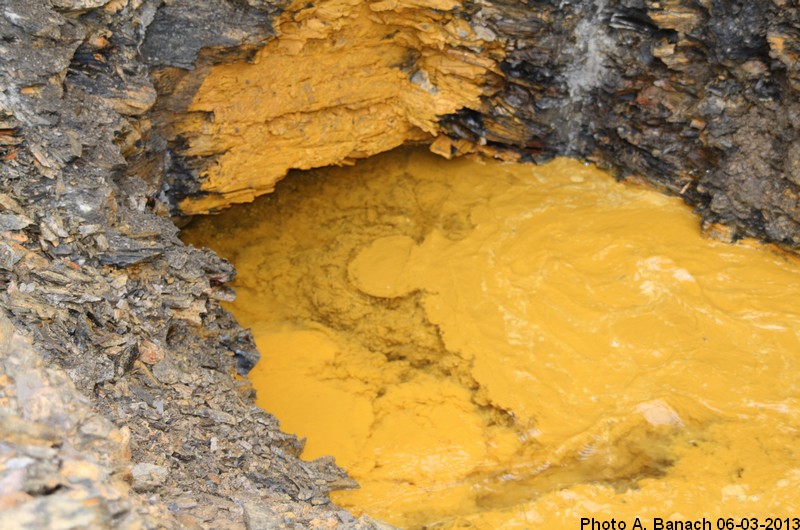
x: 181, y: 29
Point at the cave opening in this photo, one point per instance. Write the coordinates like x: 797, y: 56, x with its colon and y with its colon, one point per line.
x: 478, y: 344
x: 489, y: 345
x: 118, y: 407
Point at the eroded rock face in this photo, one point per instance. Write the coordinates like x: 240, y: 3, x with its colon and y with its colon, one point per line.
x: 111, y: 109
x: 698, y: 98
x: 118, y: 403
x: 342, y: 80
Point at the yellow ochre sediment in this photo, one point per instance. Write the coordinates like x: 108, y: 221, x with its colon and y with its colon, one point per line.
x: 344, y: 79
x: 500, y: 346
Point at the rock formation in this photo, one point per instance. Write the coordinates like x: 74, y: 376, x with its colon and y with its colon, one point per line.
x: 115, y: 114
x: 697, y: 98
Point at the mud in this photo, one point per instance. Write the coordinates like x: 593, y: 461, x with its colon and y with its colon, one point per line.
x: 507, y: 355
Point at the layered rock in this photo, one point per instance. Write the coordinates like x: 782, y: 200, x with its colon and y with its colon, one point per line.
x: 119, y: 406
x: 116, y: 113
x: 697, y: 98
x: 342, y: 80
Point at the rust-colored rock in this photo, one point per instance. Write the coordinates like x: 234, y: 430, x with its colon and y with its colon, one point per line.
x: 679, y: 92
x: 342, y: 80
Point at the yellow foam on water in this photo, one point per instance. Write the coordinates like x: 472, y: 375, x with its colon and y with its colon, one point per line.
x: 487, y: 346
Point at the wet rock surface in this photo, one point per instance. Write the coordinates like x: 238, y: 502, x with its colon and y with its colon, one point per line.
x: 697, y: 98
x: 118, y: 402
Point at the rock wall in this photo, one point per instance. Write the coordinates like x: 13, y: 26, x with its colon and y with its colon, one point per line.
x: 119, y: 406
x: 697, y: 98
x: 342, y: 80
x: 116, y: 113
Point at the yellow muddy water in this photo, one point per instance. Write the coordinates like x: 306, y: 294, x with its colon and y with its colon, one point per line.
x: 487, y: 346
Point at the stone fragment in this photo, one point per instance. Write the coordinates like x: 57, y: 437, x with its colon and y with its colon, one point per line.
x: 78, y: 5
x: 166, y: 372
x: 148, y: 477
x: 10, y: 254
x: 259, y: 517
x: 150, y: 352
x: 10, y: 221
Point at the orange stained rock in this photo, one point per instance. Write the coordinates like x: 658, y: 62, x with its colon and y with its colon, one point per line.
x: 343, y: 80
x: 494, y: 346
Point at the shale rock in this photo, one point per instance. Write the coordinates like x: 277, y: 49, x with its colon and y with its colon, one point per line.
x: 117, y: 363
x: 118, y: 402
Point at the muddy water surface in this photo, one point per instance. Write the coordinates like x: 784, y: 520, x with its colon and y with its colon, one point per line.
x: 509, y: 346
